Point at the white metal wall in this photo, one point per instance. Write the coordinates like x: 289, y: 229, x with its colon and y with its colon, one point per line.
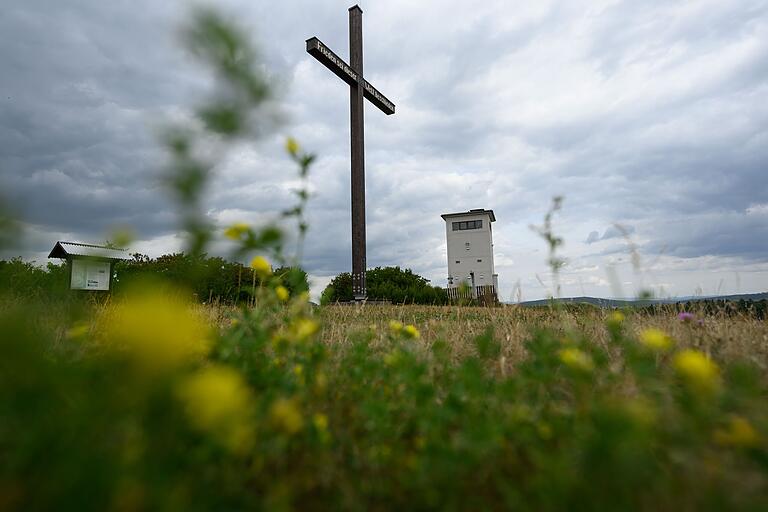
x: 480, y: 248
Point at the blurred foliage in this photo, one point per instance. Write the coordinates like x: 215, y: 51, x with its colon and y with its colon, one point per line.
x: 546, y: 232
x: 386, y: 283
x: 138, y: 414
x: 238, y: 108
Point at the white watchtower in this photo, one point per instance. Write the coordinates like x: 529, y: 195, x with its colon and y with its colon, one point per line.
x: 470, y: 248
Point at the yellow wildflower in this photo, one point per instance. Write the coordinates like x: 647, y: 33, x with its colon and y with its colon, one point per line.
x: 320, y: 421
x: 261, y: 266
x: 304, y: 328
x: 617, y: 317
x: 236, y: 230
x: 395, y: 326
x: 158, y: 331
x: 286, y: 416
x: 576, y: 359
x: 298, y: 370
x: 739, y: 432
x: 217, y: 401
x: 282, y: 293
x: 291, y: 146
x: 655, y: 339
x: 411, y: 331
x: 698, y: 371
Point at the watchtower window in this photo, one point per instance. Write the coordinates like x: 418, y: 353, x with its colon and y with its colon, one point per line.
x: 464, y: 225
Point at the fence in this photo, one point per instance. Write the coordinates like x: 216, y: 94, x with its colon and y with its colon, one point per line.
x: 485, y: 294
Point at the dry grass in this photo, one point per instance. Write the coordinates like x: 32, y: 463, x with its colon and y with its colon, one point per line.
x: 725, y: 337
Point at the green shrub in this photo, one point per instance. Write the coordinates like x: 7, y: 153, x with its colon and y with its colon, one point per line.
x: 23, y: 279
x: 386, y: 283
x: 208, y: 279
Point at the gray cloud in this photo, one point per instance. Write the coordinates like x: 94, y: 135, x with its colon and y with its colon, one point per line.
x: 742, y: 235
x: 615, y: 231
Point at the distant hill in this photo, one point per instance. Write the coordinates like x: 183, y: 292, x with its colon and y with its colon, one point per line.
x: 621, y: 303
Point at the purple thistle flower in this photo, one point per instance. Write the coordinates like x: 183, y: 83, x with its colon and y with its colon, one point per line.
x: 685, y: 316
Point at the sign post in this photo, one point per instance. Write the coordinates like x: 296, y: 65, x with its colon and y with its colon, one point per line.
x: 90, y: 266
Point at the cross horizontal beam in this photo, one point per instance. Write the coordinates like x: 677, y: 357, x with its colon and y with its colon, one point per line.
x: 336, y: 64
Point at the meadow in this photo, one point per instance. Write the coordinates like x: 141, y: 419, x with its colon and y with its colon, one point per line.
x: 728, y: 336
x: 150, y: 402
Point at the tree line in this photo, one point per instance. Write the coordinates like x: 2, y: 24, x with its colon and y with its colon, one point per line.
x: 208, y: 278
x: 215, y: 279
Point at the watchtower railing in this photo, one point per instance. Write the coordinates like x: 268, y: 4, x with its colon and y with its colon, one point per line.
x: 485, y: 294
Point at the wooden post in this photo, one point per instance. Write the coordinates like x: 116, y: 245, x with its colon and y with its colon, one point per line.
x: 357, y: 144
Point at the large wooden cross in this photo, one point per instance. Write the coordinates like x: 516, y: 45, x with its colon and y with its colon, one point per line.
x: 359, y: 88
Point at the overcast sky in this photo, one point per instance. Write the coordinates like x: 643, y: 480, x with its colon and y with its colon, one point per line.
x: 649, y: 115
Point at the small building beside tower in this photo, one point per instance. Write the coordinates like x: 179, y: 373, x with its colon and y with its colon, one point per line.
x: 469, y: 239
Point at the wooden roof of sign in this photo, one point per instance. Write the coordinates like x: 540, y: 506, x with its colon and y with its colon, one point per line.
x: 66, y: 250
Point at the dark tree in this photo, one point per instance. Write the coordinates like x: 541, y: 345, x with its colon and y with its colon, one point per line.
x: 386, y: 283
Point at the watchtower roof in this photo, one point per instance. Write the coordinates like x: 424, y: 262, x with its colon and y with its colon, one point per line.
x: 474, y: 211
x: 64, y: 250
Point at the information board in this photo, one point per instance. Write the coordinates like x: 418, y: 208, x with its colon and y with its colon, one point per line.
x: 90, y: 275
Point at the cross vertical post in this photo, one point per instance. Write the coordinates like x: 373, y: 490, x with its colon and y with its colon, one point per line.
x: 357, y: 146
x: 359, y: 89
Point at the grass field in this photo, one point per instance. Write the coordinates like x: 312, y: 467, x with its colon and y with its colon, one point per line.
x: 148, y: 402
x: 725, y: 337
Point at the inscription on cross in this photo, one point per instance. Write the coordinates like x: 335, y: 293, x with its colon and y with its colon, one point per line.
x: 359, y: 88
